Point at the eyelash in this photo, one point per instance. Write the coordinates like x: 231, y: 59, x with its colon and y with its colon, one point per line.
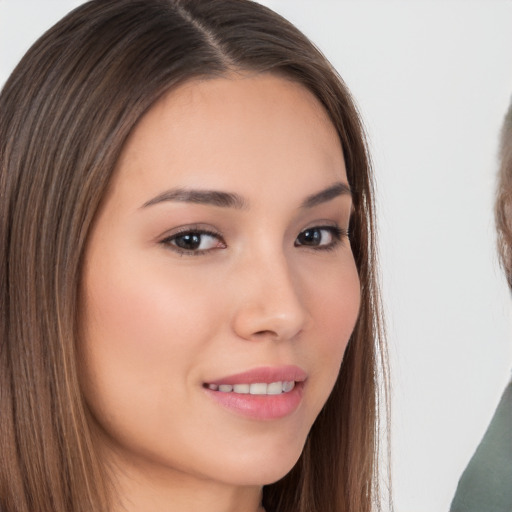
x: 337, y: 233
x: 168, y: 241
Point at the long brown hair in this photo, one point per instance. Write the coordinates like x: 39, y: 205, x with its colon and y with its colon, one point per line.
x: 65, y: 114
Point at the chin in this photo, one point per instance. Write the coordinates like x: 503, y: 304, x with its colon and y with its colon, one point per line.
x: 262, y: 468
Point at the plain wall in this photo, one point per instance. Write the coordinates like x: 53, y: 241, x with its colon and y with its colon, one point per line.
x: 433, y: 80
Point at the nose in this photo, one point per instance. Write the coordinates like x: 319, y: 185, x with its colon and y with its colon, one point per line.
x: 269, y: 303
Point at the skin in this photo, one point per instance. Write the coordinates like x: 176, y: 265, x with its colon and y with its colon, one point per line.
x: 159, y: 323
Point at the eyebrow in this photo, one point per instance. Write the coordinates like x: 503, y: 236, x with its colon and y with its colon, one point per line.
x: 336, y: 190
x: 208, y: 197
x: 232, y: 200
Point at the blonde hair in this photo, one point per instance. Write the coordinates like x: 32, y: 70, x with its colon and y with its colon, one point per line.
x: 503, y: 206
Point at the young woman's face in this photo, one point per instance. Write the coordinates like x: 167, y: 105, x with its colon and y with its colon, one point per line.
x: 219, y: 287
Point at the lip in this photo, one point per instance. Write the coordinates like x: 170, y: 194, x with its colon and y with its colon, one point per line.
x: 265, y: 374
x: 261, y: 407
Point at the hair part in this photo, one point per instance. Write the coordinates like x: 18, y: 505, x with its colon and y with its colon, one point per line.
x: 65, y: 114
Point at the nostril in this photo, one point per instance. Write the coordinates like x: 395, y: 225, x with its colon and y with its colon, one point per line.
x: 261, y: 334
x: 280, y: 333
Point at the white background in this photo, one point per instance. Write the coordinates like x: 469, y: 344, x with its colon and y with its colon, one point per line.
x: 433, y: 80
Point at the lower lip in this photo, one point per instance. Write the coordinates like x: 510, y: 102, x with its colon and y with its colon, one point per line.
x: 260, y: 407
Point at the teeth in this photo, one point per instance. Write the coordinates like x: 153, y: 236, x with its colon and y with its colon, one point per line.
x: 241, y: 388
x: 257, y: 388
x: 288, y: 386
x: 275, y: 388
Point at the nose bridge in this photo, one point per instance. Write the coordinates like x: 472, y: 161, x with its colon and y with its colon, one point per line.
x: 271, y: 302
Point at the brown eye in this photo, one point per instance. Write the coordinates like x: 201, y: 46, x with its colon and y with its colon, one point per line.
x: 310, y: 237
x: 194, y: 241
x: 319, y: 236
x: 190, y: 241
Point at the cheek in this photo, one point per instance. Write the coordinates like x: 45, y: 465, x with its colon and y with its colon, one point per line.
x: 141, y: 333
x: 144, y: 308
x: 339, y: 314
x: 124, y: 317
x: 335, y: 302
x: 335, y: 309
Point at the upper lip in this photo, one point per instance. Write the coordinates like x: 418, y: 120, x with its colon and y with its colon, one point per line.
x: 264, y: 374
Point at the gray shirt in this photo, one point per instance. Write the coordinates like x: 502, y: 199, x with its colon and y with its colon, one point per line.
x: 486, y: 484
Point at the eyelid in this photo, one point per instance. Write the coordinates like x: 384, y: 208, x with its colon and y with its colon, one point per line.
x: 190, y: 229
x: 328, y: 225
x: 337, y: 232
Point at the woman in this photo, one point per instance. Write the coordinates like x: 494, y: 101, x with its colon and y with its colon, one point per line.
x: 136, y: 136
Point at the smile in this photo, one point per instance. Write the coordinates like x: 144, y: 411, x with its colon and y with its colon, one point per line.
x: 263, y: 394
x: 256, y: 388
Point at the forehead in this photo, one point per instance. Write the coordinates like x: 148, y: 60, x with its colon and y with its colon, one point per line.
x: 225, y: 132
